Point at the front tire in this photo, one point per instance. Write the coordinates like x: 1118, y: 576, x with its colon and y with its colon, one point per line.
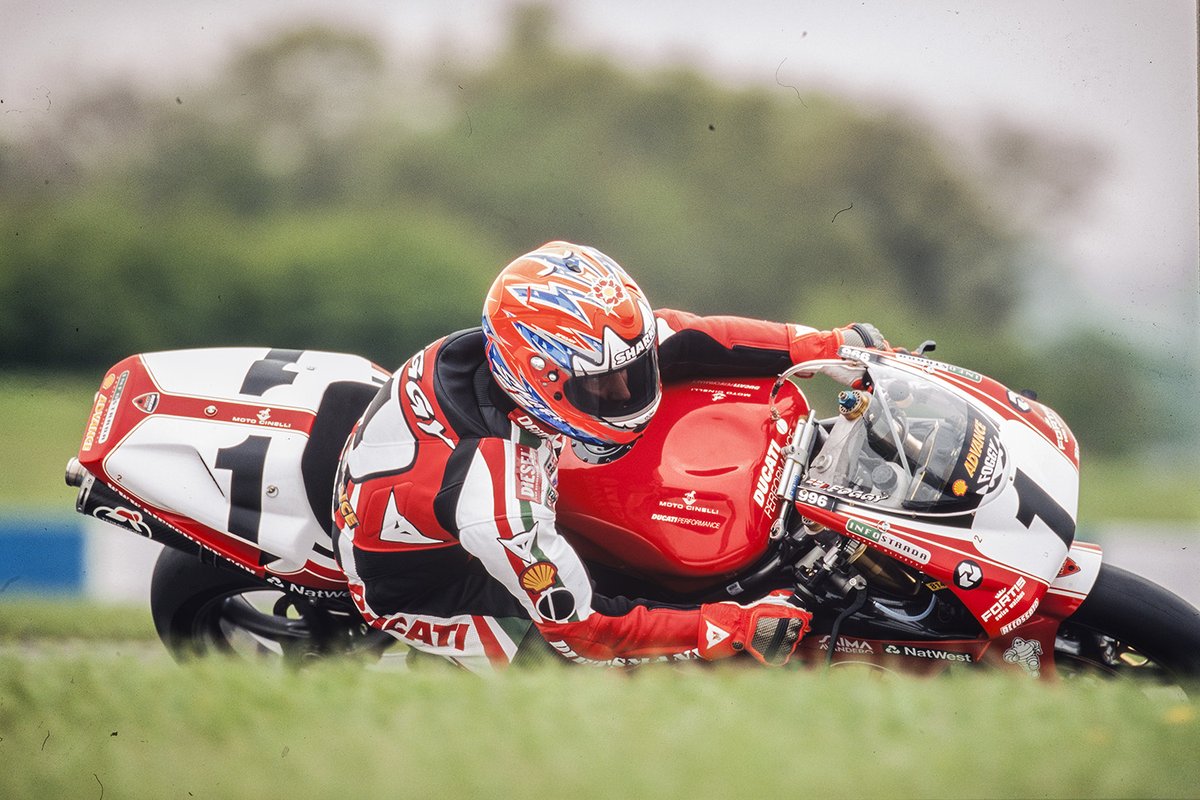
x: 1129, y: 626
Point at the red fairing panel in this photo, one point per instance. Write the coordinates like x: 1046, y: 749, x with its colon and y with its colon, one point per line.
x: 694, y: 499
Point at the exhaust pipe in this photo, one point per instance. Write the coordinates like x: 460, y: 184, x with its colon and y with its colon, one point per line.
x: 76, y: 474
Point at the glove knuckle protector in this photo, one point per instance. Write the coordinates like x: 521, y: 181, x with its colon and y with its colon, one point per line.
x: 770, y: 629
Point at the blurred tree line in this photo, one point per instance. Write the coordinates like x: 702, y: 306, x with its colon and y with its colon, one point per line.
x: 312, y: 196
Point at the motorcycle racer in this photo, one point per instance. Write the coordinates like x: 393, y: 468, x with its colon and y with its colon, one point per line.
x: 445, y: 495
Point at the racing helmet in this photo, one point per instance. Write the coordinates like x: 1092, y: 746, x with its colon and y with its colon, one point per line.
x: 572, y: 340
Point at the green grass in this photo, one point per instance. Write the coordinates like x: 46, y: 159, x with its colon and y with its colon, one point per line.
x: 41, y: 427
x: 142, y: 727
x: 33, y: 619
x: 88, y: 698
x: 1152, y: 491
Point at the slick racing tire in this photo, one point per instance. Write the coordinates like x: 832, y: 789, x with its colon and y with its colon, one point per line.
x: 1129, y: 626
x: 201, y: 609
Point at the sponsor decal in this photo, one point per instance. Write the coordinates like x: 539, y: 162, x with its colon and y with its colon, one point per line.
x: 715, y: 634
x: 932, y: 653
x: 523, y: 544
x: 347, y: 511
x: 537, y: 429
x: 113, y: 404
x: 146, y: 403
x: 764, y: 497
x: 719, y: 390
x: 1006, y: 600
x: 675, y: 519
x: 935, y: 586
x: 529, y: 475
x: 968, y: 575
x: 932, y: 366
x: 433, y: 634
x: 1021, y: 620
x: 1069, y: 567
x: 565, y: 651
x: 992, y: 467
x: 966, y: 374
x: 1059, y: 428
x: 858, y: 354
x: 538, y: 577
x: 978, y: 436
x: 1019, y: 402
x: 125, y: 517
x: 263, y: 419
x: 893, y: 544
x: 89, y: 438
x: 846, y: 492
x: 295, y: 588
x: 556, y: 605
x: 108, y: 381
x: 817, y: 499
x: 847, y: 645
x: 1027, y: 653
x: 689, y: 504
x: 636, y: 349
x: 717, y: 395
x: 958, y: 488
x: 419, y: 404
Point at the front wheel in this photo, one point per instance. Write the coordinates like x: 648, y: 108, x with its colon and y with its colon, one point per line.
x: 200, y: 609
x: 1129, y: 626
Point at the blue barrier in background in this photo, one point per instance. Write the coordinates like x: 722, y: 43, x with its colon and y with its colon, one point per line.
x: 41, y: 556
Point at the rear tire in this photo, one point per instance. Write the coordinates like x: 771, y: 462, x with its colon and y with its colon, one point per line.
x: 200, y: 609
x: 1129, y: 626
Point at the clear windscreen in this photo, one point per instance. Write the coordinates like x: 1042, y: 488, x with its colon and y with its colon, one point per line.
x: 904, y: 441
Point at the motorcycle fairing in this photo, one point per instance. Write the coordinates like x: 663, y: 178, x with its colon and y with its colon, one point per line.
x: 999, y: 556
x: 214, y: 442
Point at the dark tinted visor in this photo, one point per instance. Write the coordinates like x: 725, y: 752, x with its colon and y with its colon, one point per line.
x: 621, y: 393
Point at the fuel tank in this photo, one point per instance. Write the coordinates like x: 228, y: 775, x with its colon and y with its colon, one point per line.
x: 692, y: 501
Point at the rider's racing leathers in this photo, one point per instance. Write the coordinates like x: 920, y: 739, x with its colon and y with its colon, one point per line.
x: 445, y: 497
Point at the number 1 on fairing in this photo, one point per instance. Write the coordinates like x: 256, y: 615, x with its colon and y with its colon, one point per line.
x: 245, y: 463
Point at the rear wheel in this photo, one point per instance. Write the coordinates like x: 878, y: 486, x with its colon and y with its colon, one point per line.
x: 1129, y: 626
x: 199, y: 609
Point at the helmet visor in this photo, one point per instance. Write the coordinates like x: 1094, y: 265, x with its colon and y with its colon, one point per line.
x: 619, y: 394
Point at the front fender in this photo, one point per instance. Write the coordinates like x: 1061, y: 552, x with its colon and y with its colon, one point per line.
x: 1075, y: 580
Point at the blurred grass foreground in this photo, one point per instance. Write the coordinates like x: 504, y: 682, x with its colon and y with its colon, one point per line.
x: 79, y: 723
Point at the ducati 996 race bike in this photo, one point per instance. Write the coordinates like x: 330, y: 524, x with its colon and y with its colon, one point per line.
x: 927, y: 520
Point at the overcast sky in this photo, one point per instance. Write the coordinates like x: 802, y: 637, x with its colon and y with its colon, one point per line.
x: 1119, y: 74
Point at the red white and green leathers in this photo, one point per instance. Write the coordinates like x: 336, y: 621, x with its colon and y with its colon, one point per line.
x: 445, y: 508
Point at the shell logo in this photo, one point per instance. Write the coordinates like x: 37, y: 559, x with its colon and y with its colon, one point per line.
x: 959, y: 487
x: 538, y: 577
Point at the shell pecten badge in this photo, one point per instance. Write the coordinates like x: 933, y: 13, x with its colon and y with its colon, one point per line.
x: 538, y: 577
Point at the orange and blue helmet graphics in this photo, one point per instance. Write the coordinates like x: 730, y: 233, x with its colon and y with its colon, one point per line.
x: 572, y: 339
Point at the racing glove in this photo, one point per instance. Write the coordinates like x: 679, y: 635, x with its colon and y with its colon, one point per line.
x: 770, y: 628
x: 864, y: 334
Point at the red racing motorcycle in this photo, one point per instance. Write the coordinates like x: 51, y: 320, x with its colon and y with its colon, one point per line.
x: 923, y: 512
